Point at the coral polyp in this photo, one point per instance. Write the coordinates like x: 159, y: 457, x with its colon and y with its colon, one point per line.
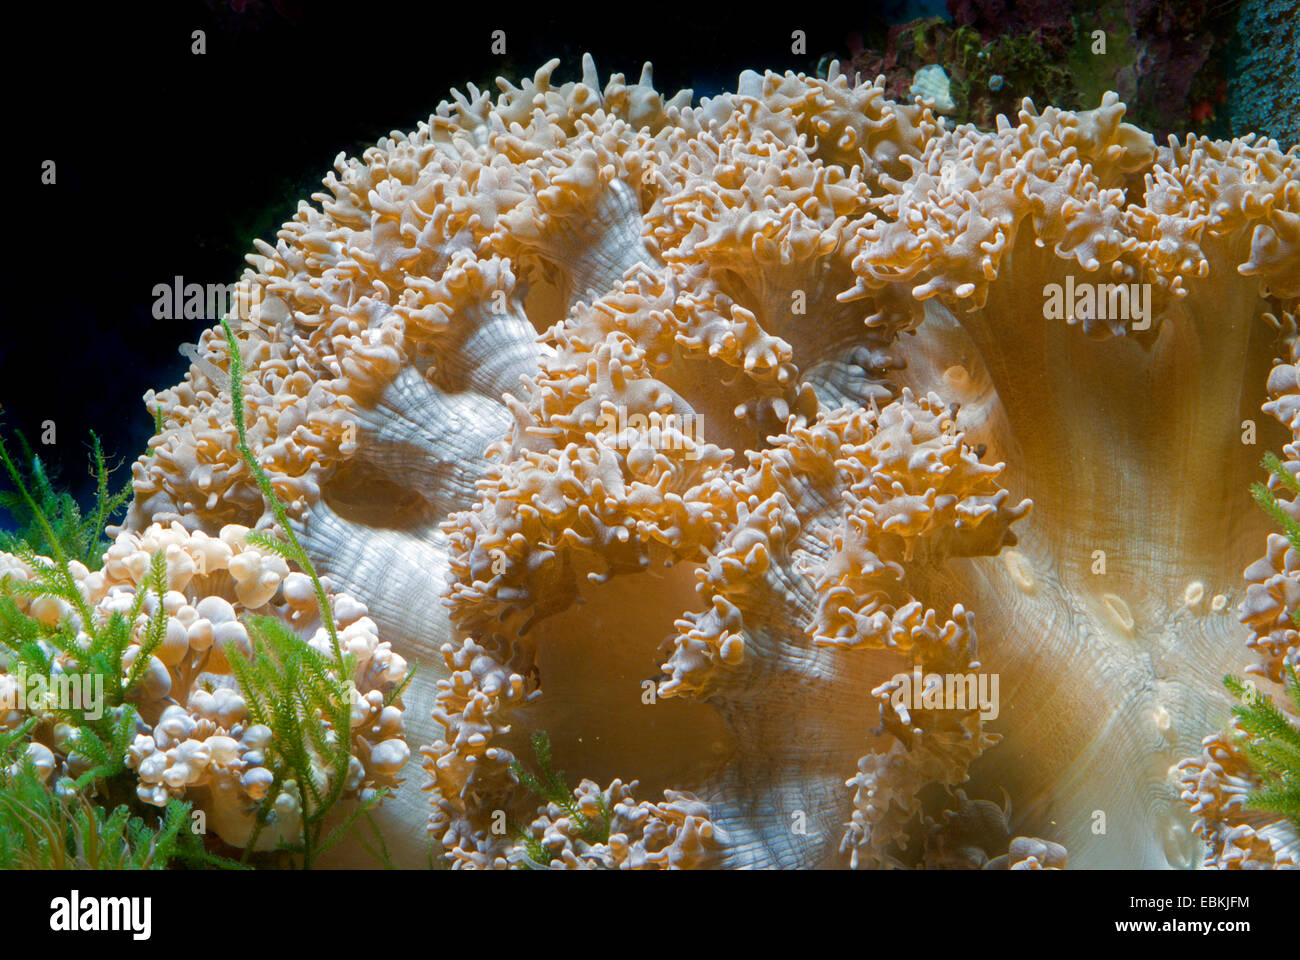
x: 811, y: 470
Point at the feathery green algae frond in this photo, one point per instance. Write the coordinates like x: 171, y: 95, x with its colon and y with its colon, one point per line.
x: 48, y: 829
x: 551, y: 787
x: 290, y: 687
x: 1268, y: 501
x: 49, y: 521
x: 288, y: 548
x: 1271, y: 742
x: 99, y: 733
x: 1271, y: 738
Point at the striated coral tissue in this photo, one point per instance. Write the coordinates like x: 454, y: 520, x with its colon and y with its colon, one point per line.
x: 707, y: 437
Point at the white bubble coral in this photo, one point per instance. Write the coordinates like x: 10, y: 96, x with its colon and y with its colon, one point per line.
x: 850, y: 300
x: 197, y: 738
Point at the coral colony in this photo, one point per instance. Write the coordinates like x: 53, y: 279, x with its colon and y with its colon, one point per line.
x: 695, y: 442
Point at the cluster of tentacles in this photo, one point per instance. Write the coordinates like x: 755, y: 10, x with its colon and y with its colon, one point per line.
x: 687, y: 432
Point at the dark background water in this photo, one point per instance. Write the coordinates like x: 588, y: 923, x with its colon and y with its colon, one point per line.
x: 171, y: 164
